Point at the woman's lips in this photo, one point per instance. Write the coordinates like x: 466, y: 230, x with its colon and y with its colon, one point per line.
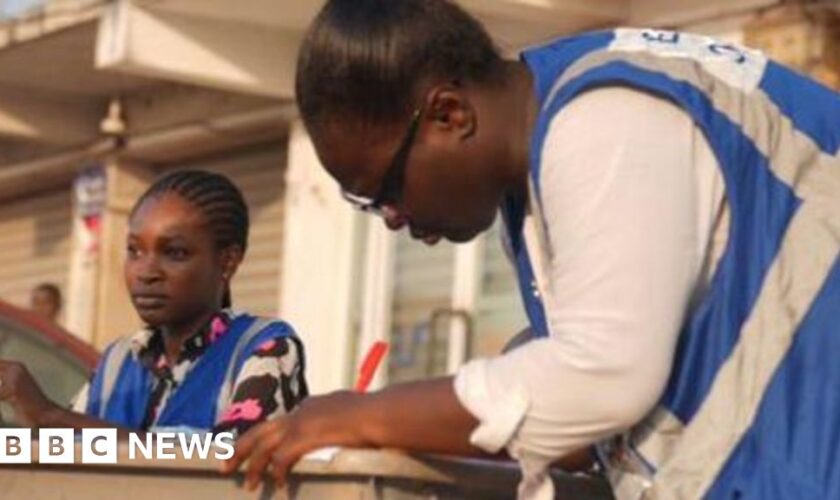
x: 431, y: 240
x: 427, y: 237
x: 150, y: 301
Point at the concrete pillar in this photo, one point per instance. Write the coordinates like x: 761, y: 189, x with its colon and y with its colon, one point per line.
x: 88, y: 202
x: 318, y: 263
x: 115, y: 316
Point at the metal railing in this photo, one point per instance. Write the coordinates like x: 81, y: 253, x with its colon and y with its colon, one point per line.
x: 364, y: 474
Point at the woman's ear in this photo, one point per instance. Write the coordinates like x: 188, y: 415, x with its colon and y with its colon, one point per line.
x: 231, y: 257
x: 450, y: 109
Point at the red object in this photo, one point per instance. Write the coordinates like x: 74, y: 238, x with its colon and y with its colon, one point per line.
x: 370, y: 364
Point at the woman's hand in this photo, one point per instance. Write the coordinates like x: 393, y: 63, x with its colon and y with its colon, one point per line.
x: 280, y: 443
x: 417, y: 416
x: 19, y: 389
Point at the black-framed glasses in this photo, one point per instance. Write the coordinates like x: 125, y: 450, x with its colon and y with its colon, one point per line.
x: 391, y: 188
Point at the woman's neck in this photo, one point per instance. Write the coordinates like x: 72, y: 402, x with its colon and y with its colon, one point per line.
x: 174, y: 336
x: 520, y: 105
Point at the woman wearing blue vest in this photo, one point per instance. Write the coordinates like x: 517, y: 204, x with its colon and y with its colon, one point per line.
x: 196, y: 365
x: 672, y: 205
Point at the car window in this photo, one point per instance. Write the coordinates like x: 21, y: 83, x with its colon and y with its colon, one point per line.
x: 56, y: 371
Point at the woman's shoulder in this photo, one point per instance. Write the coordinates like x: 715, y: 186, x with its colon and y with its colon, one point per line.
x: 131, y: 342
x: 271, y: 337
x: 265, y: 325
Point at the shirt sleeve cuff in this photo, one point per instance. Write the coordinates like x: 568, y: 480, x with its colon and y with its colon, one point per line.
x: 79, y: 402
x: 500, y: 411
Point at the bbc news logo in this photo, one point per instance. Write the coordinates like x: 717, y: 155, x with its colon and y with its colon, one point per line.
x: 99, y: 446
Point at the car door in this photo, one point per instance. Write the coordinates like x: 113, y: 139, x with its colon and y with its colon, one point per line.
x: 59, y: 373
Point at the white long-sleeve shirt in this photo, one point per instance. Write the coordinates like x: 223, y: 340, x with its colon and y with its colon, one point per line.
x: 635, y: 212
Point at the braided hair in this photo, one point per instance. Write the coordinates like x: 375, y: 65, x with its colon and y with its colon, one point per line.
x: 219, y: 200
x: 365, y: 59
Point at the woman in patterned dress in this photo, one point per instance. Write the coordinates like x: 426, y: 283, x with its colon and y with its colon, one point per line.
x: 196, y: 363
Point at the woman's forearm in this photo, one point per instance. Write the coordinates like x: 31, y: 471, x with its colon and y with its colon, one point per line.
x: 427, y: 416
x: 417, y: 416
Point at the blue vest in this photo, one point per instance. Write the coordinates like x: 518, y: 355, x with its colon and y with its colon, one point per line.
x: 198, y: 401
x: 752, y: 406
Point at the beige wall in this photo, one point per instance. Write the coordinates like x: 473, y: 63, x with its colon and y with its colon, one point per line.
x: 804, y: 37
x: 35, y: 241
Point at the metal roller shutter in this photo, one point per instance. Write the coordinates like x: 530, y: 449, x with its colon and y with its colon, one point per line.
x: 499, y: 313
x: 422, y: 284
x: 35, y: 238
x: 259, y: 173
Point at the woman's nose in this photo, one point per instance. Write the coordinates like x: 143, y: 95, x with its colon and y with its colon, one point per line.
x: 148, y: 278
x: 394, y: 219
x: 147, y: 270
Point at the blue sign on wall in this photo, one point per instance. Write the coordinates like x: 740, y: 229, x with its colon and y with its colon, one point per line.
x: 13, y: 8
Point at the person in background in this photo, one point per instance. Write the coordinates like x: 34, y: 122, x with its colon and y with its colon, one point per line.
x: 196, y: 364
x: 46, y: 301
x: 673, y: 206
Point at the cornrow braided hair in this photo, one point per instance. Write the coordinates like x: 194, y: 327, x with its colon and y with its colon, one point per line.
x: 219, y: 200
